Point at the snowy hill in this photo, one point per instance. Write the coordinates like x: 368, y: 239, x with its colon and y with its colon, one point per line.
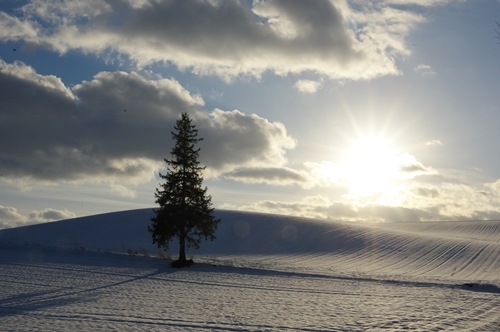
x: 451, y: 250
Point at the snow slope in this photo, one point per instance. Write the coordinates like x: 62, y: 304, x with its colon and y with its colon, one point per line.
x: 453, y: 250
x: 264, y: 272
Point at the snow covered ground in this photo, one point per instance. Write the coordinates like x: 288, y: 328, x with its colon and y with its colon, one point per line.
x: 263, y: 273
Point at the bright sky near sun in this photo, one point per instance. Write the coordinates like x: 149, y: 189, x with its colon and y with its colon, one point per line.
x: 357, y: 110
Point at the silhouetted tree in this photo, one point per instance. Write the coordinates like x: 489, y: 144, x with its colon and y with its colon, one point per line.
x: 185, y: 208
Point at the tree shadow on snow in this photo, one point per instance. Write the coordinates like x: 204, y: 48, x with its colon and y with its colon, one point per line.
x: 24, y: 303
x: 482, y: 288
x: 64, y: 266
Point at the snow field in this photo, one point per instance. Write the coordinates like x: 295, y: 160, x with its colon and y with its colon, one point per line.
x: 263, y: 273
x: 143, y: 294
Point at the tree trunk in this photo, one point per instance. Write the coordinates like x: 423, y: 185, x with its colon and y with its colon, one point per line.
x: 182, y: 261
x: 182, y: 249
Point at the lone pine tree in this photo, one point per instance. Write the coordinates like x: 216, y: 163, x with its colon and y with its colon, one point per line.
x: 185, y: 209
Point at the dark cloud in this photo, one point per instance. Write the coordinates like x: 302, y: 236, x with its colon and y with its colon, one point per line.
x: 411, y: 167
x: 226, y: 38
x: 151, y: 108
x: 234, y: 139
x: 415, y: 168
x: 270, y: 175
x: 118, y: 126
x: 51, y: 215
x: 426, y: 192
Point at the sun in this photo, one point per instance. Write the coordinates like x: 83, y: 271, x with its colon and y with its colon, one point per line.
x: 369, y: 165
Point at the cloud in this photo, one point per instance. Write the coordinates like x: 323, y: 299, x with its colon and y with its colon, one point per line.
x: 492, y: 189
x: 423, y: 3
x: 366, y: 179
x: 10, y: 214
x: 434, y: 142
x: 425, y: 70
x: 409, y: 166
x: 397, y: 213
x: 50, y: 215
x: 18, y: 71
x: 13, y: 29
x: 427, y: 192
x: 417, y: 203
x: 312, y: 174
x: 227, y: 38
x: 382, y: 32
x: 10, y: 217
x: 407, y: 201
x: 309, y: 206
x: 123, y: 191
x: 486, y: 215
x: 116, y: 128
x: 324, y: 174
x: 233, y: 139
x: 321, y: 207
x: 308, y: 86
x: 270, y: 175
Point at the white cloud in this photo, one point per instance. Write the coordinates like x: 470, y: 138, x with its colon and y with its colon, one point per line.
x: 309, y: 206
x: 409, y: 202
x: 10, y: 217
x: 321, y: 207
x: 382, y: 33
x: 324, y: 174
x: 308, y: 86
x: 328, y: 37
x: 50, y: 215
x: 13, y: 29
x: 425, y: 70
x: 434, y: 142
x: 9, y: 214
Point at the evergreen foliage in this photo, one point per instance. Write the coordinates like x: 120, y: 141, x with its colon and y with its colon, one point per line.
x: 185, y: 208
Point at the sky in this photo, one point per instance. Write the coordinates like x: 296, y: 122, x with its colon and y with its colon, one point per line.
x: 352, y: 110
